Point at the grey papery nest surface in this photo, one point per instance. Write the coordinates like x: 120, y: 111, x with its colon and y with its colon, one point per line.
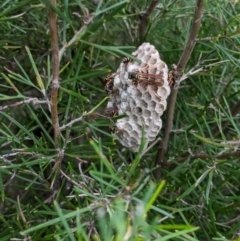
x: 139, y: 91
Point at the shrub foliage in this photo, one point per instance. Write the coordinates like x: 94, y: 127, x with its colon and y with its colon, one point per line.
x: 63, y: 176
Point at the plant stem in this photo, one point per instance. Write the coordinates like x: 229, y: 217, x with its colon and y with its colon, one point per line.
x: 173, y: 97
x: 144, y: 19
x: 55, y: 75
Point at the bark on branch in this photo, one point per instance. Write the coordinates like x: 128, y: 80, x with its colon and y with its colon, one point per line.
x: 145, y: 17
x: 179, y: 68
x: 55, y: 73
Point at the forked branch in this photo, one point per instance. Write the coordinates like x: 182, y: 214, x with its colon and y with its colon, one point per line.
x: 179, y: 68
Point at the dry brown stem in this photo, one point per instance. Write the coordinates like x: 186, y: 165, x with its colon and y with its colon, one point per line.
x: 54, y: 95
x: 205, y: 156
x: 89, y: 17
x: 144, y: 18
x: 234, y: 111
x: 55, y: 74
x: 31, y: 100
x: 179, y: 68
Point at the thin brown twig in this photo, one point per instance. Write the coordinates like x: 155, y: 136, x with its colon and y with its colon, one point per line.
x: 192, y: 37
x: 234, y: 111
x: 76, y: 36
x: 179, y: 68
x: 20, y: 211
x: 19, y: 152
x: 29, y: 100
x: 55, y: 75
x: 202, y: 156
x: 144, y: 18
x: 234, y: 220
x: 205, y: 156
x: 54, y: 95
x: 74, y: 121
x: 9, y: 181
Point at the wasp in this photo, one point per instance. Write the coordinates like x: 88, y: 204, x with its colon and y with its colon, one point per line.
x: 126, y: 60
x: 171, y: 79
x: 149, y: 79
x: 109, y: 84
x: 115, y: 130
x: 172, y: 75
x: 112, y: 111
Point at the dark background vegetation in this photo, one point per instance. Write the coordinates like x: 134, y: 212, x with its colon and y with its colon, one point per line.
x: 82, y: 184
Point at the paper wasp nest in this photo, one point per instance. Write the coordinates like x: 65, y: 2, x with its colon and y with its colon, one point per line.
x: 138, y: 90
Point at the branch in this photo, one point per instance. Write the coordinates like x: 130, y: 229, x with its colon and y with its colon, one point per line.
x: 144, y: 18
x: 234, y: 111
x: 205, y: 156
x: 55, y: 75
x: 198, y: 68
x: 192, y: 37
x: 34, y: 101
x: 17, y: 153
x: 178, y: 72
x: 87, y: 20
x: 74, y: 121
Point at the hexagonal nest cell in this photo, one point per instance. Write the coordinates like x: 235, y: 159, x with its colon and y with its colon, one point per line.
x: 139, y: 90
